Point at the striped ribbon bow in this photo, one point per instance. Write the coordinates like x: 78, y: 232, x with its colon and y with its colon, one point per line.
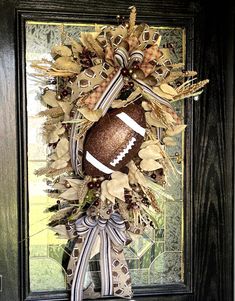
x: 124, y: 60
x: 113, y: 236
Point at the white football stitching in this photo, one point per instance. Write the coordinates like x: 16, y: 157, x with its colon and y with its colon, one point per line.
x: 123, y: 153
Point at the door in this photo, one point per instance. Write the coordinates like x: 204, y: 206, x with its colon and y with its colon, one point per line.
x: 208, y: 207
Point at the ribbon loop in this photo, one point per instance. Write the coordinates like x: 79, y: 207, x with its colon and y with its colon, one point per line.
x: 121, y: 55
x: 136, y: 56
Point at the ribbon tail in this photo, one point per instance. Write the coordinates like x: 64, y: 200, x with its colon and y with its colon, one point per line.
x: 76, y: 146
x: 71, y: 268
x: 79, y: 275
x: 121, y: 275
x: 121, y: 55
x: 136, y: 56
x: 106, y: 265
x: 110, y: 93
x: 146, y: 88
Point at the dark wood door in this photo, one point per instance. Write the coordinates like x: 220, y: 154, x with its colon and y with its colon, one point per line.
x: 212, y: 31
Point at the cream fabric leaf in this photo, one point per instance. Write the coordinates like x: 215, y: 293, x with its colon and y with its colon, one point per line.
x: 105, y: 193
x: 60, y: 129
x: 150, y: 165
x: 162, y: 94
x: 168, y: 89
x: 153, y: 121
x: 50, y: 98
x: 61, y: 50
x: 117, y: 184
x: 70, y: 194
x: 75, y: 183
x: 66, y: 157
x: 135, y: 176
x: 176, y: 130
x: 67, y: 63
x: 116, y: 104
x: 55, y: 134
x: 115, y: 189
x: 54, y: 157
x: 53, y: 137
x: 66, y: 106
x: 91, y: 115
x: 150, y: 152
x: 145, y: 105
x: 169, y: 118
x: 148, y: 142
x: 121, y: 178
x: 169, y: 141
x: 59, y: 186
x: 62, y: 147
x: 58, y: 164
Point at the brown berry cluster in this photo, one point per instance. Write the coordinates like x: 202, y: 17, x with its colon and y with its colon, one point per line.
x: 86, y: 58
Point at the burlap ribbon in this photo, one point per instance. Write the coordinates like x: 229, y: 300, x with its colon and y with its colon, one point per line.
x: 113, y: 238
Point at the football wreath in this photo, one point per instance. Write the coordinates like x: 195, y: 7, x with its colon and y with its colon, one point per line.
x: 108, y: 121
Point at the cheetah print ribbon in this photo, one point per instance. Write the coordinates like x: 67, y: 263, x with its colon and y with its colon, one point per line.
x: 115, y: 278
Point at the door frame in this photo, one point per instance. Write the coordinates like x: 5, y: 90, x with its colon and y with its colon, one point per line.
x: 207, y: 229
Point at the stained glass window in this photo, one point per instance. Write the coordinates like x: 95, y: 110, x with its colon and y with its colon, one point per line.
x: 157, y: 256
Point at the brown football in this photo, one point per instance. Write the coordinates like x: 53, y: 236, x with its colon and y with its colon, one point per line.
x: 114, y: 140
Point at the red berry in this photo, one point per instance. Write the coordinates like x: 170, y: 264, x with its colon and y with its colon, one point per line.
x: 135, y: 66
x: 124, y: 71
x: 97, y: 184
x: 65, y: 92
x: 90, y: 185
x: 96, y: 203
